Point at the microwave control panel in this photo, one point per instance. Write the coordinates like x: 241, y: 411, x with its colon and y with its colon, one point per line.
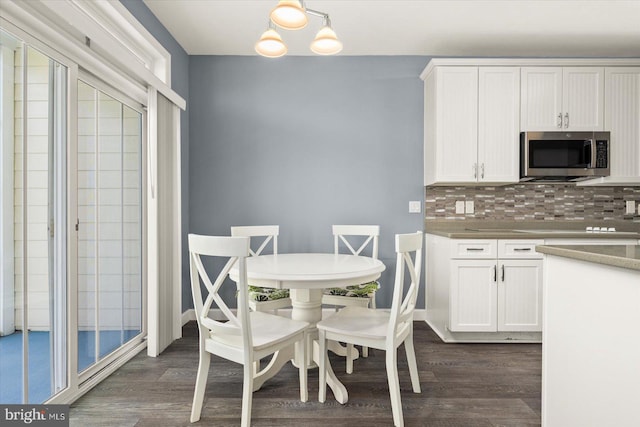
x: 601, y: 154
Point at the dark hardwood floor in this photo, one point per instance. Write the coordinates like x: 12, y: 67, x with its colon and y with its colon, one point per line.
x: 466, y: 385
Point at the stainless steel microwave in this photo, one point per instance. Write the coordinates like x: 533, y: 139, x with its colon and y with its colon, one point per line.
x: 563, y: 156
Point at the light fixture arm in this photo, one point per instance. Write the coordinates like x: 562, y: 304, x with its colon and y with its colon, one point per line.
x: 322, y: 15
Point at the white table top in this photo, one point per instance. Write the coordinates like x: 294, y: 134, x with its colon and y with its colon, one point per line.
x: 310, y: 270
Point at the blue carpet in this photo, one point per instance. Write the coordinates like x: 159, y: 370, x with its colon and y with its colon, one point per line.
x: 39, y: 361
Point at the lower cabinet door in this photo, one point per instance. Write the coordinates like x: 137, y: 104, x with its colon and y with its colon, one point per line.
x: 473, y: 298
x: 520, y: 295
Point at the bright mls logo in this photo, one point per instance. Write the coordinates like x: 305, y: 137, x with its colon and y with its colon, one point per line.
x: 36, y: 415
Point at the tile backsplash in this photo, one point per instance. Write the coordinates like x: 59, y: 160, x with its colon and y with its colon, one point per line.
x: 532, y: 202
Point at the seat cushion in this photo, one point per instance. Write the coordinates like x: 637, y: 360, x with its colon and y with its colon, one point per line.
x: 364, y: 290
x: 267, y: 294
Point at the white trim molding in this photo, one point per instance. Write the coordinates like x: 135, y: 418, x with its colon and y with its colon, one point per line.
x: 103, y: 37
x: 530, y: 62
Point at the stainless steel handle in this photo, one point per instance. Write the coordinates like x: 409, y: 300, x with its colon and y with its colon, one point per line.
x: 560, y: 120
x: 482, y: 171
x: 474, y: 249
x: 503, y: 272
x: 475, y: 170
x: 495, y: 273
x: 566, y: 120
x: 522, y: 249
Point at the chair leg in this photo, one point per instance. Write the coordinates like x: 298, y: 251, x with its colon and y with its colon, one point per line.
x: 301, y: 360
x: 322, y: 366
x: 394, y: 387
x: 349, y: 358
x: 411, y: 361
x: 201, y: 384
x: 372, y: 304
x: 247, y: 395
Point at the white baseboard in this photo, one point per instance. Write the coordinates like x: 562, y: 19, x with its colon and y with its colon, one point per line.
x: 216, y: 314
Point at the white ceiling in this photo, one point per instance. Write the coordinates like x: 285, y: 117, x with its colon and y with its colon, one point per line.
x: 572, y: 28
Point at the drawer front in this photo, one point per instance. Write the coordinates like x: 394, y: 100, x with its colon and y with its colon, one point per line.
x: 474, y: 249
x: 519, y: 249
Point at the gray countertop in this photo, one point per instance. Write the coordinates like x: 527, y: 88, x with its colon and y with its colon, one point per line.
x: 624, y: 256
x: 530, y: 229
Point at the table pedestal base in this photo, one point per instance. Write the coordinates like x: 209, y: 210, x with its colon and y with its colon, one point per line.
x: 307, y: 306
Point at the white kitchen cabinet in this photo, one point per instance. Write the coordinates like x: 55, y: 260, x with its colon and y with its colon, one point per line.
x: 473, y: 304
x: 622, y: 119
x: 490, y: 290
x: 471, y: 125
x: 498, y: 124
x: 519, y: 295
x: 501, y: 294
x: 562, y: 98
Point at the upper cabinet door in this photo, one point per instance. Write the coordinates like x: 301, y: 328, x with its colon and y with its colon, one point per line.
x: 498, y: 124
x: 583, y: 98
x: 622, y: 119
x: 456, y: 125
x: 556, y: 99
x: 541, y: 96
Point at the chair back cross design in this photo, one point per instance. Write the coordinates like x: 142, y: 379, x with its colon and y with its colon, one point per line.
x: 342, y: 232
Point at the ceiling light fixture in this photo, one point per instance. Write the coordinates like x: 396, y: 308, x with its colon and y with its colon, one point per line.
x: 289, y: 15
x: 292, y: 15
x: 270, y: 43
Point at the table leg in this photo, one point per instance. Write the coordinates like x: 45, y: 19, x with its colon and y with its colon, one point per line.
x: 339, y: 390
x: 341, y: 350
x: 277, y: 361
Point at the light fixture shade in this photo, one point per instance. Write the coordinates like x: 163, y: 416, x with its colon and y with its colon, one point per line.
x: 326, y: 42
x: 289, y: 15
x: 271, y: 44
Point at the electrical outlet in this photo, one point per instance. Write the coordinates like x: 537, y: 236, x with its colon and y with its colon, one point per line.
x: 631, y: 207
x: 460, y: 206
x: 469, y: 207
x: 414, y: 206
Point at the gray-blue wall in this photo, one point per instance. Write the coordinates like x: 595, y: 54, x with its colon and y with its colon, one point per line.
x: 306, y: 142
x: 303, y: 142
x: 180, y: 84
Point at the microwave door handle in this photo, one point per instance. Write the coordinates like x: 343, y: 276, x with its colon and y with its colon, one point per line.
x: 590, y: 152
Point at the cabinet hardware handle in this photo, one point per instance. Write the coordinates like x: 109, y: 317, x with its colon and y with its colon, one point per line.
x: 475, y: 170
x: 560, y: 120
x: 482, y: 171
x: 522, y: 249
x: 566, y: 120
x: 495, y: 273
x: 503, y: 272
x: 474, y: 249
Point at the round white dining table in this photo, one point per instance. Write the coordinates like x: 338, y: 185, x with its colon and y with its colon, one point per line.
x: 306, y: 275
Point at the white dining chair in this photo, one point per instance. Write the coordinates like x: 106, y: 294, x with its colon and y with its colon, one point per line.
x: 363, y: 295
x: 383, y: 330
x: 245, y: 337
x: 263, y: 299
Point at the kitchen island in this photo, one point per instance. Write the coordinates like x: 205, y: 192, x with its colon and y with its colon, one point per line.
x: 591, y: 335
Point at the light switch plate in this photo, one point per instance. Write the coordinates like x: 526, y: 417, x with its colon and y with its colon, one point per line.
x: 469, y: 207
x: 460, y: 206
x: 414, y: 206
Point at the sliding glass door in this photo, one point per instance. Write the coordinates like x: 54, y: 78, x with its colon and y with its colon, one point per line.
x: 71, y: 223
x: 33, y: 285
x: 109, y: 224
